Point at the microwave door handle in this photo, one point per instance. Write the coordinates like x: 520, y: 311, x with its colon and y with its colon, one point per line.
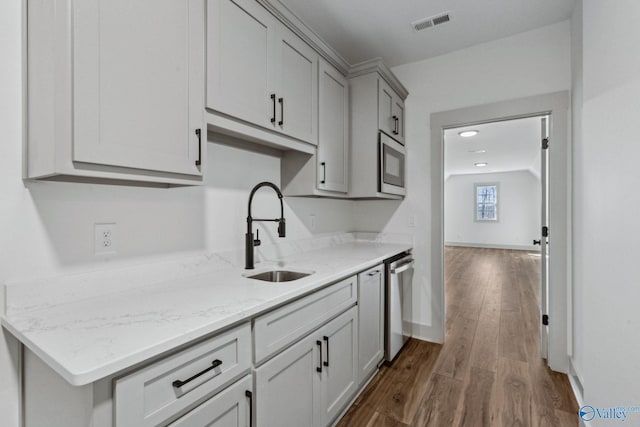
x: 402, y: 268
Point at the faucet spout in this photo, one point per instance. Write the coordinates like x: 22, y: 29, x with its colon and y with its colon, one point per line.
x: 249, y: 240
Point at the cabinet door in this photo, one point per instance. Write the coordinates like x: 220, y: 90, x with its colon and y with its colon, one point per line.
x: 386, y: 97
x: 370, y: 321
x: 240, y: 60
x: 398, y: 114
x: 229, y: 408
x: 333, y: 143
x: 138, y: 83
x: 287, y: 387
x: 339, y: 370
x: 297, y: 87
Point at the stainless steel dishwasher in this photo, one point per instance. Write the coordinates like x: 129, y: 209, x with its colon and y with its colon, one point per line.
x: 398, y: 296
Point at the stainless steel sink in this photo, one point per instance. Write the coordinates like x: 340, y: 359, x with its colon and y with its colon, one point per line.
x: 277, y: 276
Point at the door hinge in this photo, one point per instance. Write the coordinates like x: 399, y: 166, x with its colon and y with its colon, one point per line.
x: 545, y: 319
x: 545, y: 143
x: 545, y: 231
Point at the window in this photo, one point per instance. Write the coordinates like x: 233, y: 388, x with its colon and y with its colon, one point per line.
x: 486, y: 202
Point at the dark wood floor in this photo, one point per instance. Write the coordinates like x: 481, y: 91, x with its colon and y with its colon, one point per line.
x: 488, y: 372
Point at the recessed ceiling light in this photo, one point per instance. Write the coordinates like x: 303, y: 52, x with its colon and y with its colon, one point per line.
x: 481, y: 164
x: 477, y: 151
x: 468, y: 133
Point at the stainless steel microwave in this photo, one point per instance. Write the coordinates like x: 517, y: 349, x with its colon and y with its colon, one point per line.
x: 392, y: 166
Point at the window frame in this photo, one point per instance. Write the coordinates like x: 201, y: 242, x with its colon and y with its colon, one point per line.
x: 475, y: 201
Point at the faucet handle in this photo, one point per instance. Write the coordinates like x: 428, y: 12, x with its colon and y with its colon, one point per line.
x: 281, y: 228
x: 256, y: 241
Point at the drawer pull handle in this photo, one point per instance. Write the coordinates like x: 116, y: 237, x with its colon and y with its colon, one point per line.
x: 273, y: 99
x: 214, y: 365
x: 250, y: 396
x: 199, y: 135
x: 319, y: 344
x: 373, y: 273
x: 326, y: 362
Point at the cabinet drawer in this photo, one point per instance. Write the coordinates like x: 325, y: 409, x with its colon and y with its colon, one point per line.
x: 277, y: 329
x: 154, y: 394
x: 229, y: 408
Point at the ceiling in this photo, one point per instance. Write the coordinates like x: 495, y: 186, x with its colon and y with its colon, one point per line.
x: 510, y: 146
x: 365, y: 29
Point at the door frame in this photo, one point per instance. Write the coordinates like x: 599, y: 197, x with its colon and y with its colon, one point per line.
x: 556, y: 105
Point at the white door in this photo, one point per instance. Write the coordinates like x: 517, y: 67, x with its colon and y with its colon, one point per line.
x: 333, y: 143
x: 297, y: 88
x: 339, y: 364
x: 544, y: 248
x: 385, y: 107
x: 138, y: 83
x: 370, y: 321
x: 229, y: 408
x: 241, y: 64
x: 287, y: 387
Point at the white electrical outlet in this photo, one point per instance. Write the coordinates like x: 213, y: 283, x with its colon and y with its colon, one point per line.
x: 105, y: 242
x: 412, y: 221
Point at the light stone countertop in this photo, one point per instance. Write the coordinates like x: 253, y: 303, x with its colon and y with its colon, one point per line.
x: 91, y: 338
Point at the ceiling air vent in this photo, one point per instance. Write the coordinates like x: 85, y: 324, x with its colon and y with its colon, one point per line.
x: 431, y: 21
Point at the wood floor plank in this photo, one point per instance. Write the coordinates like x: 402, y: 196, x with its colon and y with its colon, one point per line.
x: 439, y: 404
x: 456, y: 350
x: 484, y: 350
x: 551, y: 389
x: 549, y: 417
x: 381, y: 420
x: 405, y: 395
x: 489, y: 371
x: 474, y: 408
x: 512, y: 343
x: 513, y: 404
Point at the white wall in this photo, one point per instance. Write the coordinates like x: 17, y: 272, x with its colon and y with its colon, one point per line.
x: 607, y: 165
x: 10, y: 191
x: 518, y: 211
x: 577, y: 223
x: 526, y: 64
x: 47, y: 227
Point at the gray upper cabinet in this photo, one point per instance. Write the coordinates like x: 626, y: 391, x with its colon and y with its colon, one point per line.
x: 297, y: 87
x: 333, y: 145
x: 259, y: 72
x: 390, y: 112
x: 116, y: 90
x: 377, y: 105
x: 326, y: 172
x: 241, y: 60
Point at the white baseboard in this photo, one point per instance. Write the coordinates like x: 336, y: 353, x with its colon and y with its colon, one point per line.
x: 578, y: 390
x: 426, y: 333
x: 494, y: 246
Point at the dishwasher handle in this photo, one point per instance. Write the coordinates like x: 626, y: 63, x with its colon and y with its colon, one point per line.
x: 402, y: 267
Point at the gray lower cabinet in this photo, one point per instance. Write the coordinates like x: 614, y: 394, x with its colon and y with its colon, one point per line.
x: 310, y: 383
x: 370, y: 321
x: 338, y: 379
x: 229, y: 408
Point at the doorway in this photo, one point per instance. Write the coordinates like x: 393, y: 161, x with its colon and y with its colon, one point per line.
x: 495, y: 208
x: 555, y: 106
